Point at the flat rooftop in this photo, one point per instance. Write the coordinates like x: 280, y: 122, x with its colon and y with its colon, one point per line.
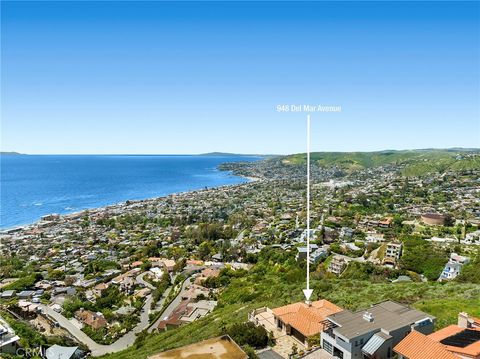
x: 215, y: 348
x: 387, y: 315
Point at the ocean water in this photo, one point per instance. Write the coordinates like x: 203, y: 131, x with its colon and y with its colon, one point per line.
x: 35, y: 185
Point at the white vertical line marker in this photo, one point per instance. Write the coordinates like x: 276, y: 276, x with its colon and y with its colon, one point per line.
x: 308, y: 291
x: 308, y: 202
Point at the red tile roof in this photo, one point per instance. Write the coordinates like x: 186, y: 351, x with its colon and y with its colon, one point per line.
x: 304, y: 318
x: 472, y: 350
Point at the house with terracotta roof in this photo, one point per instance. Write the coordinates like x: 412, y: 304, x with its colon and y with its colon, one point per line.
x: 94, y: 320
x: 99, y: 288
x: 461, y: 340
x: 419, y: 346
x: 302, y: 320
x: 207, y: 273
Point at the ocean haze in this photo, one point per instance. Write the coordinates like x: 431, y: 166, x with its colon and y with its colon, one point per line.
x: 35, y: 185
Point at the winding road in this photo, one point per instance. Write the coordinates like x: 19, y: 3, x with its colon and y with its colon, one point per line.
x: 129, y: 338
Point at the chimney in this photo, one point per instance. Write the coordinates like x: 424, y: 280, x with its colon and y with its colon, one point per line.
x: 463, y: 320
x: 368, y: 317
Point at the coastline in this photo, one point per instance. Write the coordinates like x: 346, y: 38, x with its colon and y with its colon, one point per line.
x: 126, y: 203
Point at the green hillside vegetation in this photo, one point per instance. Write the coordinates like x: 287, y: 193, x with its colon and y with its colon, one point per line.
x: 423, y: 257
x: 413, y: 162
x: 277, y: 280
x: 471, y: 272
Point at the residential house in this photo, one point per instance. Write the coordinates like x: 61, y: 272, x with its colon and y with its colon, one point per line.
x: 373, y: 237
x: 385, y: 223
x: 319, y: 253
x: 346, y: 233
x: 8, y: 338
x: 302, y: 252
x: 461, y: 340
x: 157, y: 272
x: 99, y: 289
x: 419, y: 346
x: 394, y: 250
x: 169, y: 264
x: 473, y: 237
x: 26, y: 294
x: 338, y: 264
x: 302, y: 320
x: 207, y: 273
x: 187, y: 311
x: 59, y: 352
x: 142, y: 293
x: 393, y: 253
x: 195, y: 291
x: 453, y: 267
x: 196, y: 310
x: 372, y: 333
x: 7, y: 294
x: 136, y: 264
x: 94, y: 320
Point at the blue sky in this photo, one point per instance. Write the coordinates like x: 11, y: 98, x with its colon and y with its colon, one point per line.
x: 164, y: 77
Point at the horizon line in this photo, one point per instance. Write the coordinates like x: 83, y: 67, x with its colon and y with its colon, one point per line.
x: 219, y: 153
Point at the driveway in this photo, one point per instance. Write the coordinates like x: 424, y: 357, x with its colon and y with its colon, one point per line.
x: 140, y: 280
x: 283, y: 342
x: 72, y: 329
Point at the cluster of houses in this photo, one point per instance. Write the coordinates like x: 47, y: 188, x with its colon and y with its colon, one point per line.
x: 381, y: 331
x: 261, y: 214
x: 194, y: 300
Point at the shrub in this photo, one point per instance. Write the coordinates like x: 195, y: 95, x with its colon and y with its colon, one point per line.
x: 248, y: 334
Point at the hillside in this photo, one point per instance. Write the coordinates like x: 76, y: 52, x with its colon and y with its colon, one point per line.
x: 277, y: 280
x: 10, y: 153
x: 410, y: 162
